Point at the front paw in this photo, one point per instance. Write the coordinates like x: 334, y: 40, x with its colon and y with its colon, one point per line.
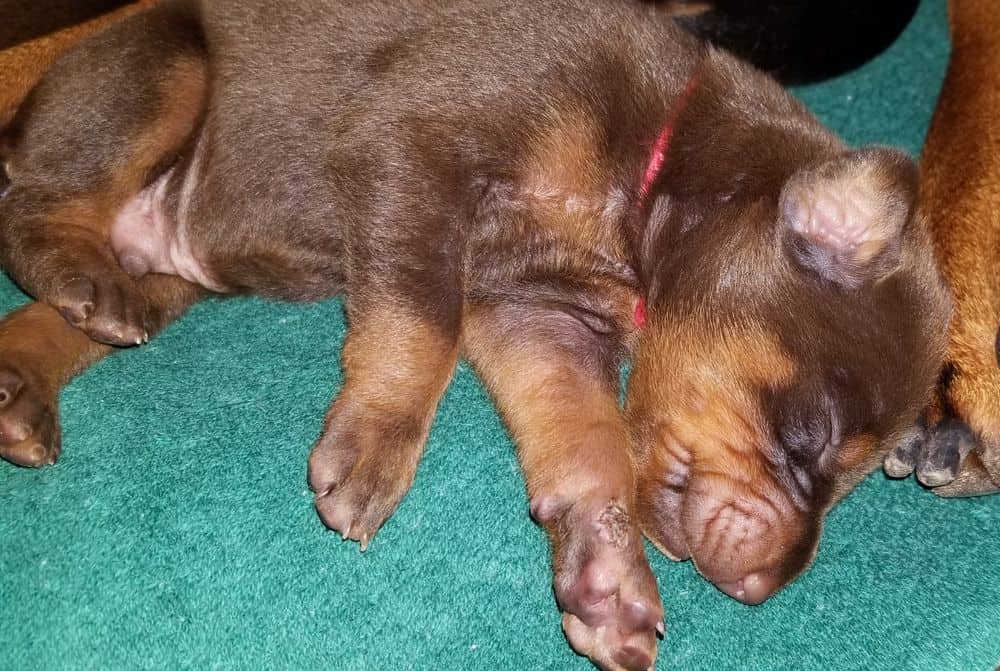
x: 29, y: 427
x: 603, y: 583
x: 362, y: 466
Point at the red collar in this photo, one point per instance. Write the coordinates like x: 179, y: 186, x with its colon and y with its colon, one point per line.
x: 656, y: 160
x: 662, y: 144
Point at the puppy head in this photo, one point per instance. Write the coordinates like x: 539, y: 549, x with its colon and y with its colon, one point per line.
x: 792, y: 334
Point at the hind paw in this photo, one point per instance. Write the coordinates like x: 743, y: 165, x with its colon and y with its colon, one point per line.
x: 109, y: 309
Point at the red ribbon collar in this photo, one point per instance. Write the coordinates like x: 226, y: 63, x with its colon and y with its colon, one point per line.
x: 657, y: 158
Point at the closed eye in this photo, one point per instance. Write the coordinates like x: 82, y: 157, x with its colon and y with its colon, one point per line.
x: 814, y: 436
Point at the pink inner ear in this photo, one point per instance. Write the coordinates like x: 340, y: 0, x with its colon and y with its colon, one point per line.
x: 839, y: 215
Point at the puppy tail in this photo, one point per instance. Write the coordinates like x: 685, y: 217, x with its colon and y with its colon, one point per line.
x: 797, y: 41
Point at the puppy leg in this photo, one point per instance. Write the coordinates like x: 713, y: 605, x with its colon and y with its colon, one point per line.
x: 397, y: 364
x: 572, y: 443
x: 110, y: 116
x: 960, y: 453
x: 40, y: 353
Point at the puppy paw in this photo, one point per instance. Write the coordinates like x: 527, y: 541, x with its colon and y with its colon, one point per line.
x: 943, y: 452
x: 946, y: 457
x: 29, y: 427
x: 902, y: 458
x: 362, y: 466
x: 611, y: 606
x: 935, y: 454
x: 107, y: 307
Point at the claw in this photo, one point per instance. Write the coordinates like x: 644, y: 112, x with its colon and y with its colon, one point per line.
x: 357, y: 487
x: 901, y: 461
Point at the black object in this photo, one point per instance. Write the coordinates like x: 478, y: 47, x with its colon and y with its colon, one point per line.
x: 799, y: 41
x: 23, y: 20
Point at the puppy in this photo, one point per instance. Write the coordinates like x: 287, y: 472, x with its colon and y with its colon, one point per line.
x: 957, y: 448
x: 549, y: 189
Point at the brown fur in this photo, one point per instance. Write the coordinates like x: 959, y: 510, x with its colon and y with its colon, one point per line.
x: 39, y: 346
x: 72, y: 214
x: 21, y: 66
x: 469, y: 176
x: 961, y: 195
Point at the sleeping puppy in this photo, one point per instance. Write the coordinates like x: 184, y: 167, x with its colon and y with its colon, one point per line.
x: 549, y: 189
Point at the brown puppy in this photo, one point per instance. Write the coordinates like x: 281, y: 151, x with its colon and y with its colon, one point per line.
x: 959, y: 454
x: 529, y: 184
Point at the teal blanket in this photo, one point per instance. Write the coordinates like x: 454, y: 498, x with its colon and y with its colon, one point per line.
x: 177, y: 530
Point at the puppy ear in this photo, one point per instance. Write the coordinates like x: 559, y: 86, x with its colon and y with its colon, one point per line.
x: 844, y: 218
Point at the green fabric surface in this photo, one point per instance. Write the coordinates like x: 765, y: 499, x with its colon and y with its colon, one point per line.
x: 177, y: 530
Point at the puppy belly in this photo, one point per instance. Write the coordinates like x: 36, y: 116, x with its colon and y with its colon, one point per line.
x: 147, y: 238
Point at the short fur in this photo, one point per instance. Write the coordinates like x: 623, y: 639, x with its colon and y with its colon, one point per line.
x: 470, y: 175
x: 956, y: 449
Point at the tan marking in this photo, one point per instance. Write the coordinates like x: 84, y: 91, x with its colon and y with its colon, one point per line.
x: 566, y: 183
x: 39, y: 339
x: 693, y: 407
x: 568, y: 429
x: 396, y: 368
x: 395, y: 362
x: 858, y: 457
x: 686, y: 7
x: 855, y: 452
x: 183, y: 92
x: 701, y: 382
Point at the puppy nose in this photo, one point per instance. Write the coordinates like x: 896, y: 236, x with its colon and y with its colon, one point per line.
x: 751, y: 589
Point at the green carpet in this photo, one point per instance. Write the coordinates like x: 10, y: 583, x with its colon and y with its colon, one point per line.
x: 177, y: 530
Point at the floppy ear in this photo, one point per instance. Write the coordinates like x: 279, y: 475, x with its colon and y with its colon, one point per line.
x: 844, y: 218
